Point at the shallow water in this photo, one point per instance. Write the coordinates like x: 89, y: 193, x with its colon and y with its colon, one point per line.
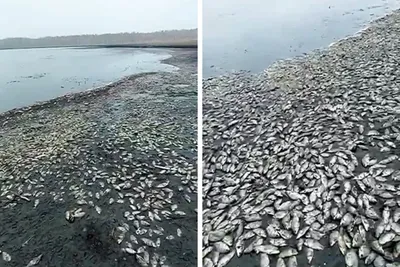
x: 31, y: 75
x: 251, y: 35
x: 87, y: 241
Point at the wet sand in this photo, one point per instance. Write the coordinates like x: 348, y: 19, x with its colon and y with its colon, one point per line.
x: 139, y: 132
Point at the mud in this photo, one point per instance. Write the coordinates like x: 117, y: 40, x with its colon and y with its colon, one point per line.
x: 151, y: 101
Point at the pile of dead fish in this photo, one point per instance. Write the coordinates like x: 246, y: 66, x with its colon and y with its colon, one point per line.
x: 304, y: 158
x: 126, y: 165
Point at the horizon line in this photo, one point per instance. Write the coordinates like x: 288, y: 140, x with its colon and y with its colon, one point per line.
x: 54, y: 36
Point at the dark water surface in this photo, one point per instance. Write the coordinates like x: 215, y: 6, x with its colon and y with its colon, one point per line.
x: 31, y: 75
x: 252, y: 34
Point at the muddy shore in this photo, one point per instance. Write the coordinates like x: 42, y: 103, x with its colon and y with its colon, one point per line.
x: 121, y: 160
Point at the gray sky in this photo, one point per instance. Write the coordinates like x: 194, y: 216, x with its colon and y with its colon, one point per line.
x: 37, y: 18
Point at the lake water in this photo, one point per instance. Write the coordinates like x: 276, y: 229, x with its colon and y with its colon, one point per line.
x: 252, y: 34
x: 31, y: 75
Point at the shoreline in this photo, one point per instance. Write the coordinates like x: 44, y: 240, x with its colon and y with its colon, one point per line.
x: 315, y: 52
x: 122, y: 156
x: 298, y: 118
x: 174, y: 60
x: 359, y: 30
x: 318, y: 51
x: 188, y: 45
x: 290, y: 65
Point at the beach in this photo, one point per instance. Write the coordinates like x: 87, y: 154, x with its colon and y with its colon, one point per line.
x: 325, y: 122
x: 104, y: 177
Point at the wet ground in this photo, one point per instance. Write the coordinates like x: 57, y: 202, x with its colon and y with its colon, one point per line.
x: 124, y: 154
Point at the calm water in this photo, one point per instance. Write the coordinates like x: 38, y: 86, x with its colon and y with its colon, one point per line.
x: 252, y: 34
x: 31, y: 75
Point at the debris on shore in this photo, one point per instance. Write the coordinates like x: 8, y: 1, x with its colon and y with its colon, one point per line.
x: 301, y: 163
x: 102, y: 178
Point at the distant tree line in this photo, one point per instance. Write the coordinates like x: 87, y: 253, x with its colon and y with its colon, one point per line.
x: 170, y: 37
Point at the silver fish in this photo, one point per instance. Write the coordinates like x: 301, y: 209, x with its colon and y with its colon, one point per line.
x: 264, y: 260
x: 280, y: 263
x: 314, y: 244
x: 225, y: 259
x: 34, y: 261
x: 351, y: 258
x: 6, y: 257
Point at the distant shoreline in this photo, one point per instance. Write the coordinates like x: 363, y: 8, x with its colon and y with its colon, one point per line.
x: 188, y: 45
x: 183, y: 59
x: 144, y: 46
x: 160, y: 39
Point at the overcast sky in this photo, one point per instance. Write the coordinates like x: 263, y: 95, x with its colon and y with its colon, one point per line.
x: 37, y: 18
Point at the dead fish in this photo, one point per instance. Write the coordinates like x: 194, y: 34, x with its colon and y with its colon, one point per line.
x: 69, y: 216
x: 225, y: 259
x: 302, y: 232
x: 295, y: 224
x: 288, y: 252
x: 79, y: 213
x: 351, y: 258
x: 130, y: 251
x: 215, y: 236
x: 239, y: 247
x: 221, y: 247
x: 380, y: 228
x: 371, y: 213
x: 309, y: 254
x: 25, y: 243
x: 215, y: 257
x: 357, y: 240
x: 253, y: 225
x: 6, y: 256
x: 379, y: 261
x: 346, y: 219
x: 98, y: 209
x: 364, y: 251
x: 370, y: 258
x: 396, y: 215
x: 280, y: 263
x: 292, y: 262
x: 208, y: 262
x: 396, y: 251
x: 314, y: 244
x: 386, y: 237
x: 149, y: 242
x: 179, y: 232
x: 377, y: 247
x: 264, y: 260
x: 333, y: 238
x: 36, y: 203
x: 278, y: 242
x: 268, y: 249
x: 142, y: 261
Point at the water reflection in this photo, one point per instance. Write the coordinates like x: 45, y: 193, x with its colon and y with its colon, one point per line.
x: 252, y: 34
x: 31, y: 75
